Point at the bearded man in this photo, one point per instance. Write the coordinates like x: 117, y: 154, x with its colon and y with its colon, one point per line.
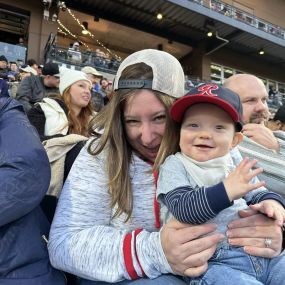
x: 259, y: 141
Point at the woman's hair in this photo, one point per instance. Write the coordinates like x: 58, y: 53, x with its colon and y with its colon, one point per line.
x: 77, y: 124
x: 114, y: 139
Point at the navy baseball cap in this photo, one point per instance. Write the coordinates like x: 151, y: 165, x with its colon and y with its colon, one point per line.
x: 211, y: 93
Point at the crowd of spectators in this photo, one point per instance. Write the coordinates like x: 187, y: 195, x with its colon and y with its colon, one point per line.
x: 73, y: 55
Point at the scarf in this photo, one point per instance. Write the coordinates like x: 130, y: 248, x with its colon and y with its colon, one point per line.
x: 207, y: 173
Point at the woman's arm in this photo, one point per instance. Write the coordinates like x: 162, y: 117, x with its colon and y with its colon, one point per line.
x: 82, y: 240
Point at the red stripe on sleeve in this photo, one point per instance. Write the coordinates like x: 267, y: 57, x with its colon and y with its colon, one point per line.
x: 127, y: 249
x: 136, y: 233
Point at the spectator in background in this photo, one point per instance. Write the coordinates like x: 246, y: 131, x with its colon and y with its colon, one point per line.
x: 24, y: 71
x: 40, y: 69
x: 21, y: 42
x: 74, y: 53
x: 34, y: 88
x: 3, y: 67
x: 104, y: 84
x: 97, y: 97
x: 259, y: 141
x: 67, y: 113
x: 106, y: 89
x: 24, y: 180
x: 13, y: 73
x: 61, y: 122
x: 33, y: 64
x: 278, y: 121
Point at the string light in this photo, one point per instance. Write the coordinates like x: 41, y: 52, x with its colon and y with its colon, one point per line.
x: 92, y: 36
x: 74, y: 36
x: 61, y: 31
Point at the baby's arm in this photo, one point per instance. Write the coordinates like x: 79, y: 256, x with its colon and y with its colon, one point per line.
x: 273, y: 209
x: 238, y: 183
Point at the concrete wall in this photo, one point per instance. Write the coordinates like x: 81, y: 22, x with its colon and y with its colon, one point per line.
x: 39, y: 29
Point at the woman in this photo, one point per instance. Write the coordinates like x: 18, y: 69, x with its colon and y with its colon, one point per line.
x: 65, y: 114
x: 107, y: 224
x: 61, y: 122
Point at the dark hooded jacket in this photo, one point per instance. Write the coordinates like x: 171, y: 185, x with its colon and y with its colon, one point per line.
x: 24, y: 180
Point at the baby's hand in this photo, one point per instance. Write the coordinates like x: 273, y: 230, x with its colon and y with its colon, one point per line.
x: 271, y: 208
x: 238, y: 184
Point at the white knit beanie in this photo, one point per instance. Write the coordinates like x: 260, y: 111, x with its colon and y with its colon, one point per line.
x: 69, y: 76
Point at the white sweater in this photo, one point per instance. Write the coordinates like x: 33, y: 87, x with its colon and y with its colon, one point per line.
x: 85, y: 241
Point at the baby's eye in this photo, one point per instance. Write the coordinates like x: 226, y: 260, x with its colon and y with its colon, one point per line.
x: 220, y: 127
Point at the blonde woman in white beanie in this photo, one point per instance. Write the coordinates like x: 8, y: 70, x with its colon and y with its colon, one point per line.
x: 67, y: 113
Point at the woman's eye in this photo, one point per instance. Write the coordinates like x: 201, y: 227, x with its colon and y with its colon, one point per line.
x: 131, y: 121
x: 160, y: 118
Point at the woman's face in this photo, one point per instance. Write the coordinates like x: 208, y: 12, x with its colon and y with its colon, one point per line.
x: 144, y: 120
x: 80, y: 93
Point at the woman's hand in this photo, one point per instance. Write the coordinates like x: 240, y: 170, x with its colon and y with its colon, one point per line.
x: 186, y: 250
x: 251, y: 231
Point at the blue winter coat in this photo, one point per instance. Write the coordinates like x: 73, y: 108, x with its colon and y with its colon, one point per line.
x: 24, y: 180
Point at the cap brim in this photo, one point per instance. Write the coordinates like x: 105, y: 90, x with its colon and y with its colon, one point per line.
x: 181, y: 105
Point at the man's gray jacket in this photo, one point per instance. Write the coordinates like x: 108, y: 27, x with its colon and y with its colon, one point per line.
x: 32, y: 90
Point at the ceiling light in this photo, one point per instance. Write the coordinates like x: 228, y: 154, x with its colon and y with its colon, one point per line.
x: 209, y: 34
x: 209, y: 27
x: 261, y: 51
x: 159, y: 16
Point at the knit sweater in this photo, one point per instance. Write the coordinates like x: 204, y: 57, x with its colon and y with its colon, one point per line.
x: 87, y: 242
x: 273, y: 163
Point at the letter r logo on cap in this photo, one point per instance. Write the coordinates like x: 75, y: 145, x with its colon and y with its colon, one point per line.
x: 207, y: 89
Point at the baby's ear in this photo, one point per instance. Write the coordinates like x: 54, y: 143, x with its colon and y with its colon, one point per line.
x: 238, y: 137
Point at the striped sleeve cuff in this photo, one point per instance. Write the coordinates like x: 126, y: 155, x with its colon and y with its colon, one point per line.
x: 131, y: 260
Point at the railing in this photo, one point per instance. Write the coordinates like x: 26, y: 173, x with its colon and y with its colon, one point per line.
x: 242, y: 16
x: 68, y: 56
x: 14, y: 53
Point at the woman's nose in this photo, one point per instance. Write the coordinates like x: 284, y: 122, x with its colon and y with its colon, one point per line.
x: 147, y: 133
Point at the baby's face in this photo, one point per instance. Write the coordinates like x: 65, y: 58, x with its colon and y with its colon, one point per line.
x: 207, y: 132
